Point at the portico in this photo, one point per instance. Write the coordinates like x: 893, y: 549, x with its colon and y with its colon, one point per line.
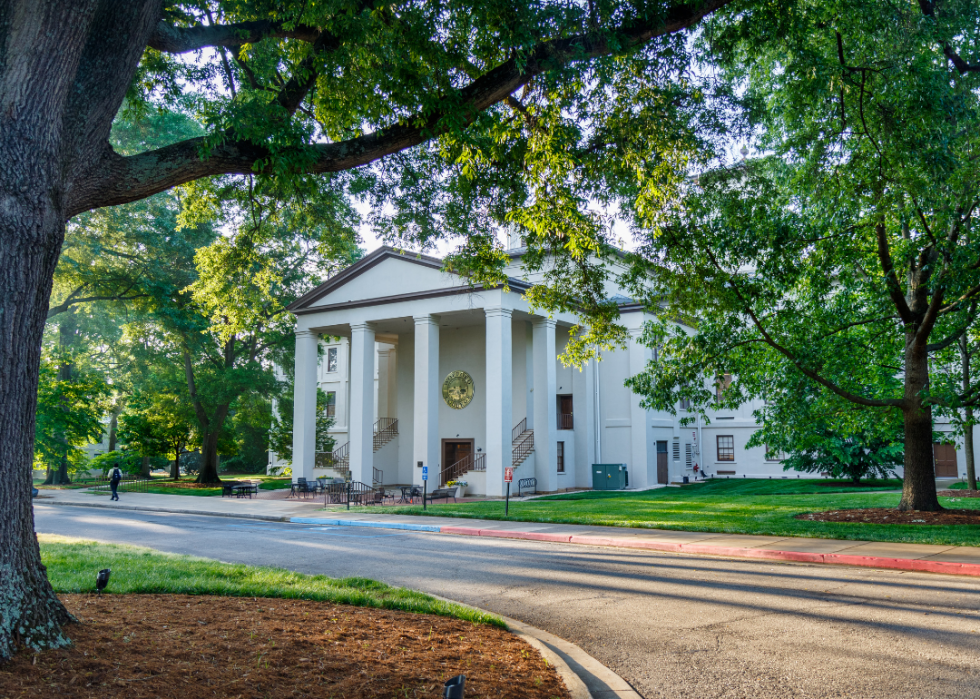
x: 437, y: 324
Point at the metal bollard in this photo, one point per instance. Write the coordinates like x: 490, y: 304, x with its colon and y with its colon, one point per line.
x: 454, y: 687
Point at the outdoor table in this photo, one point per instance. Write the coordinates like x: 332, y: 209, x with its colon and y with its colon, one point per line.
x: 243, y: 489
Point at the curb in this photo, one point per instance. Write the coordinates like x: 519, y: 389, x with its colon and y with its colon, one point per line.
x: 166, y: 510
x: 584, y: 676
x: 433, y: 528
x: 909, y: 564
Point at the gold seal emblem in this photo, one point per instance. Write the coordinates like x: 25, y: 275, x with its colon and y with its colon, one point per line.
x: 457, y: 389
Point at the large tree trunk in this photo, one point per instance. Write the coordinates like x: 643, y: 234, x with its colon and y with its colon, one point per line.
x: 64, y: 70
x: 919, y: 484
x: 209, y: 450
x: 31, y: 232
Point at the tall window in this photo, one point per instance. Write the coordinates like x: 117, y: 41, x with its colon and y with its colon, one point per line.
x: 726, y: 447
x: 561, y: 457
x: 565, y: 412
x: 331, y: 403
x: 774, y: 454
x: 722, y: 386
x: 331, y: 360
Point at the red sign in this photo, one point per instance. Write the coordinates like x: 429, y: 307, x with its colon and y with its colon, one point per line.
x: 508, y: 475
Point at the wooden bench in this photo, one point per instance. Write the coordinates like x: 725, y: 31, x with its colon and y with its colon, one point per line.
x: 442, y: 493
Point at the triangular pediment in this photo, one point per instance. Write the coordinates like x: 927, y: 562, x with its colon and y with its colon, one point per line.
x: 385, y: 273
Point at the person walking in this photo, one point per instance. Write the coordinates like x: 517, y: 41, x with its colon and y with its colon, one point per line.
x: 114, y: 479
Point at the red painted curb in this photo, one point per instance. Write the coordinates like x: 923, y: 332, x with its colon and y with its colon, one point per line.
x: 920, y: 566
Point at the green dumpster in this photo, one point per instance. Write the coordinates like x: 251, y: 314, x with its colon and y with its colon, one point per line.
x: 608, y: 476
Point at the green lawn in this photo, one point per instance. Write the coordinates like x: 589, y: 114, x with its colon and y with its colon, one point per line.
x: 731, y: 506
x: 73, y: 564
x: 185, y: 486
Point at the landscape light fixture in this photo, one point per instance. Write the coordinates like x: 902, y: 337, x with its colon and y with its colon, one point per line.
x: 102, y: 579
x: 454, y: 687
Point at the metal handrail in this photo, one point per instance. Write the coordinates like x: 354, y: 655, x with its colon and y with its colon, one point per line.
x: 520, y: 429
x: 523, y: 449
x: 338, y: 459
x: 385, y: 429
x: 470, y: 462
x: 565, y: 421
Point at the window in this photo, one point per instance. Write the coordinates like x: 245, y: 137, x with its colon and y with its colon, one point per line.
x: 688, y: 455
x: 561, y: 457
x: 774, y: 454
x: 722, y: 386
x: 331, y: 403
x: 677, y: 451
x: 685, y: 403
x: 331, y: 360
x: 726, y: 447
x: 565, y: 412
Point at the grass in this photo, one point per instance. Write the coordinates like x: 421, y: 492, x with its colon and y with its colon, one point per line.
x: 73, y: 563
x: 187, y: 486
x: 743, y: 506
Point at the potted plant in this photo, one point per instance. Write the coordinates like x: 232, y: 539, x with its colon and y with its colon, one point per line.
x: 460, y: 485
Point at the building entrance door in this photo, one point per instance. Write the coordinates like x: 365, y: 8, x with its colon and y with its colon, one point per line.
x: 662, y: 475
x: 945, y: 460
x: 453, y: 452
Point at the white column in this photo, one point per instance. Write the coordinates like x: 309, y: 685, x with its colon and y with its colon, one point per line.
x: 583, y: 390
x: 529, y: 373
x: 384, y: 399
x: 500, y: 393
x: 304, y: 404
x: 640, y: 435
x: 545, y: 405
x: 426, y: 444
x: 362, y: 403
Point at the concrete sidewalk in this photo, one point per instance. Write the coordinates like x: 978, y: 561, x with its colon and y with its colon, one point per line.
x: 953, y: 560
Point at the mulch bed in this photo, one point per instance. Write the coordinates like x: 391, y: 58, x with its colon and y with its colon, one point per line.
x: 201, y: 646
x: 959, y: 493
x: 884, y: 515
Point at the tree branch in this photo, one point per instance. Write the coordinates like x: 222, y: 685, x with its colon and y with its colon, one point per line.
x: 891, y: 279
x: 170, y: 39
x: 962, y: 66
x: 830, y: 385
x: 118, y: 180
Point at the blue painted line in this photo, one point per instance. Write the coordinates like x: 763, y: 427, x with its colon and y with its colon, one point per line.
x: 362, y: 523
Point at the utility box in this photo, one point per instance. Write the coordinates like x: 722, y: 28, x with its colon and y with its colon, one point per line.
x: 609, y: 476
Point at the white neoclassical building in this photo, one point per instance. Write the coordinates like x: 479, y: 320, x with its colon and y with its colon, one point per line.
x: 422, y: 368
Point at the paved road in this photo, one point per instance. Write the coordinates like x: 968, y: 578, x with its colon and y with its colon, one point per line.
x: 673, y: 625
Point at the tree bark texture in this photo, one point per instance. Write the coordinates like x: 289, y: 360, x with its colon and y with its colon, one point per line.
x: 919, y: 484
x: 209, y: 446
x: 64, y: 69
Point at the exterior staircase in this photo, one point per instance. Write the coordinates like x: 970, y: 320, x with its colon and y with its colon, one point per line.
x: 471, y: 462
x: 385, y: 429
x: 522, y: 444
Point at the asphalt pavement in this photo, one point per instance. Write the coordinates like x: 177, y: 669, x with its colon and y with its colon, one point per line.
x: 674, y: 625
